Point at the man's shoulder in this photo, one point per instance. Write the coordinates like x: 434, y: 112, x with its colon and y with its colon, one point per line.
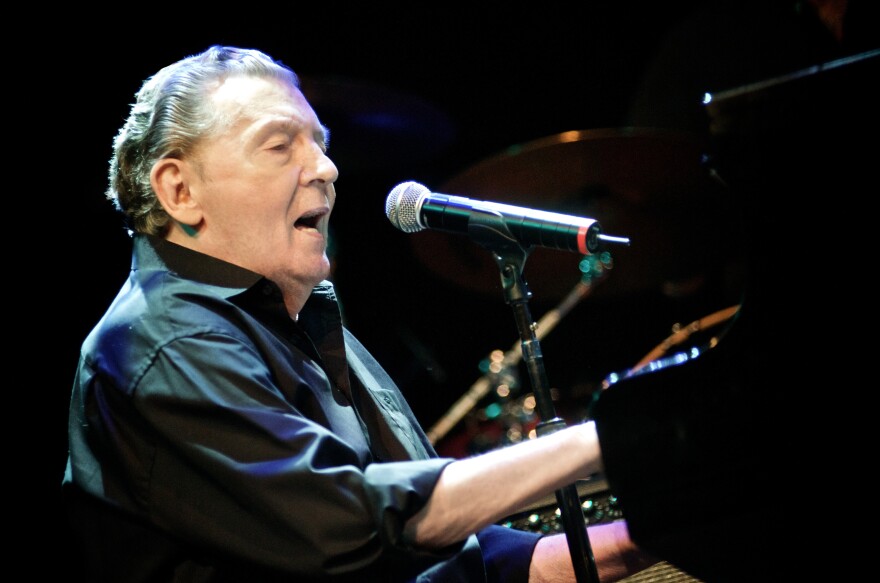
x: 155, y: 309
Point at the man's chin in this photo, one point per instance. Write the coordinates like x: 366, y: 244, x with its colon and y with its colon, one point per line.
x: 323, y: 271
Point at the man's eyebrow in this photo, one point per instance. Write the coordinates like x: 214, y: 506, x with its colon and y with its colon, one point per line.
x: 325, y: 136
x: 322, y: 134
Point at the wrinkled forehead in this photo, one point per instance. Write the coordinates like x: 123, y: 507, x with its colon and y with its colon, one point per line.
x: 245, y: 105
x: 247, y: 96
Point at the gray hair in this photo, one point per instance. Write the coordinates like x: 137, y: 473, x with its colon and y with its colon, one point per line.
x: 170, y: 115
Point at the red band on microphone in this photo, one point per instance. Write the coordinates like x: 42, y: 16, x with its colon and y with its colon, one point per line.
x: 582, y: 240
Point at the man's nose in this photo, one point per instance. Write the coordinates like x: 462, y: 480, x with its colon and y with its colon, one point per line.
x: 327, y: 169
x: 320, y: 167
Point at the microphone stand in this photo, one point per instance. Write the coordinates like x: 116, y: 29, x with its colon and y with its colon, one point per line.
x: 490, y: 231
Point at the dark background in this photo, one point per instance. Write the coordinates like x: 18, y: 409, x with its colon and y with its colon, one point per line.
x: 419, y: 92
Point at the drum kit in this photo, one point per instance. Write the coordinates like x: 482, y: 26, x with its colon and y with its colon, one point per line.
x: 659, y: 188
x: 649, y: 185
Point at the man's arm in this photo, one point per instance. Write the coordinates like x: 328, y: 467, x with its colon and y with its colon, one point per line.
x: 475, y: 492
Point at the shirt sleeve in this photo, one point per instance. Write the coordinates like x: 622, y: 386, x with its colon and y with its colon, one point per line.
x: 507, y: 553
x: 224, y: 459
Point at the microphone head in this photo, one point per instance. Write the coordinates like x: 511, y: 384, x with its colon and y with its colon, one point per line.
x: 403, y: 204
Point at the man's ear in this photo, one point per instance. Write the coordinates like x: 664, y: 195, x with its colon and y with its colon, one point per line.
x: 169, y: 179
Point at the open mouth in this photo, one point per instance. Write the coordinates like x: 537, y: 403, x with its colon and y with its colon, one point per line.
x: 310, y: 219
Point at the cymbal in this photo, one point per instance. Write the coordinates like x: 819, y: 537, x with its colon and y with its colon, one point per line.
x: 647, y: 185
x: 373, y: 127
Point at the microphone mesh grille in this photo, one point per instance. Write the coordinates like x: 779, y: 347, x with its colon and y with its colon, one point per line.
x: 402, y: 206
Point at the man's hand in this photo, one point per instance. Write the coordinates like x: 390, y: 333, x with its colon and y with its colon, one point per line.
x: 615, y: 554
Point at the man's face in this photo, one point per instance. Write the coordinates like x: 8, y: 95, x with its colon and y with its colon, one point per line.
x: 265, y: 184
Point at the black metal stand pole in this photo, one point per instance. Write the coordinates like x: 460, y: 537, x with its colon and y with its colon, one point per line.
x: 491, y: 232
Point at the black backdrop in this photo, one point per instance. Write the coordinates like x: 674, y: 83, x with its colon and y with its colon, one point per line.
x: 417, y: 93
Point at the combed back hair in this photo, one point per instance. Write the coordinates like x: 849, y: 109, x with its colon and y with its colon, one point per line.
x: 171, y: 113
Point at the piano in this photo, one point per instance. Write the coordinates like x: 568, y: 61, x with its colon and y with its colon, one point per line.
x: 731, y: 459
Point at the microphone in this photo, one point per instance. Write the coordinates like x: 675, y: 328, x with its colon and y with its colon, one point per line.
x: 412, y: 207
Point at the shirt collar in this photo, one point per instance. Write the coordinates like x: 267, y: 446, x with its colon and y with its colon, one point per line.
x: 155, y: 253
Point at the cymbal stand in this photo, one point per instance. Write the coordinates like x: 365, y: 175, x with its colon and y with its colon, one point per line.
x: 489, y: 230
x: 594, y: 270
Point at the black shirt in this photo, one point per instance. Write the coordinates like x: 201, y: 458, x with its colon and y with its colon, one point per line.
x: 213, y: 438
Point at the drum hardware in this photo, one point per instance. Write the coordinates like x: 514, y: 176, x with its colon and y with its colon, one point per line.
x: 657, y: 359
x: 500, y: 368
